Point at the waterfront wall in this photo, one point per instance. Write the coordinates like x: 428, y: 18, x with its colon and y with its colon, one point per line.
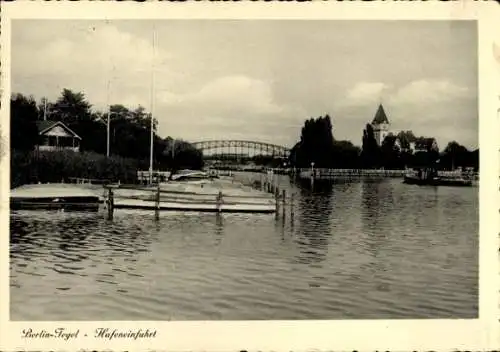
x: 352, y: 173
x: 331, y: 173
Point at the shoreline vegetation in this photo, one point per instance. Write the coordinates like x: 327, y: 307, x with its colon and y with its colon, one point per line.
x: 130, y: 142
x: 319, y: 148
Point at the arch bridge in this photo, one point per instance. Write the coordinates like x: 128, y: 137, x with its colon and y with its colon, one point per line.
x: 218, y: 148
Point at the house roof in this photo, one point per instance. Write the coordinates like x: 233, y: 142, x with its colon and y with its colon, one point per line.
x: 45, y: 125
x: 380, y: 116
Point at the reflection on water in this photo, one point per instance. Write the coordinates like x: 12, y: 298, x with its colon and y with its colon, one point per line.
x: 363, y: 249
x: 314, y: 231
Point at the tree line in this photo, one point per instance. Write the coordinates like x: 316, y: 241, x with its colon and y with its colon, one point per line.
x: 317, y: 145
x: 129, y: 130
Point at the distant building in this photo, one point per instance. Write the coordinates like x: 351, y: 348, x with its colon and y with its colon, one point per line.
x: 55, y: 135
x: 424, y: 144
x: 381, y: 129
x: 380, y: 125
x: 409, y: 148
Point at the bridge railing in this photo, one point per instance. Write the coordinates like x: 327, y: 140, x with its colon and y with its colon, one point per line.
x: 268, y: 148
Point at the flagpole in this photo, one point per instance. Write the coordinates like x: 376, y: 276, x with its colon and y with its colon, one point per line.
x: 152, y: 108
x: 44, y: 109
x: 108, y: 119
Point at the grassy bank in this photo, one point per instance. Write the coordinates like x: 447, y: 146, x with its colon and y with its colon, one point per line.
x: 31, y: 167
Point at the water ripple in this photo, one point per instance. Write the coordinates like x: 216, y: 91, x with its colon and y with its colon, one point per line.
x: 357, y: 250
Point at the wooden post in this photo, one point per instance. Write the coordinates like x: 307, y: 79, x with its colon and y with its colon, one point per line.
x: 157, y: 202
x: 219, y: 202
x: 111, y: 204
x: 284, y: 201
x: 276, y: 199
x: 292, y: 199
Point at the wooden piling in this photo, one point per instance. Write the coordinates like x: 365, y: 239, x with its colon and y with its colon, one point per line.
x: 277, y: 201
x: 157, y: 202
x: 283, y: 198
x: 219, y: 202
x: 111, y: 204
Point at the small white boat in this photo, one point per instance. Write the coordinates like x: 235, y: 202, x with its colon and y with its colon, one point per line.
x: 53, y: 196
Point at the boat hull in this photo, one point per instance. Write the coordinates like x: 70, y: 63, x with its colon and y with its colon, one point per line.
x: 91, y: 204
x: 54, y: 197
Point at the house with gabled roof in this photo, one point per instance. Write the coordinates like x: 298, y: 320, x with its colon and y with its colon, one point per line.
x: 55, y: 135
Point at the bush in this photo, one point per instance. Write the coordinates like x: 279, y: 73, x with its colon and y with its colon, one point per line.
x: 30, y: 167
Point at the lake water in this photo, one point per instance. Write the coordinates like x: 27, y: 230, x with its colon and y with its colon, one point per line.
x: 355, y: 250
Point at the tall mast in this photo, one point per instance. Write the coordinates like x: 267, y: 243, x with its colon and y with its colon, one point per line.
x: 44, y: 109
x: 108, y: 107
x: 152, y: 107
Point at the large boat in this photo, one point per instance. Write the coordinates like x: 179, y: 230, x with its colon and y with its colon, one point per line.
x: 430, y: 177
x: 55, y: 196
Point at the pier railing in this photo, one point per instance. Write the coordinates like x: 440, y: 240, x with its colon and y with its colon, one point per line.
x: 87, y: 181
x: 321, y: 173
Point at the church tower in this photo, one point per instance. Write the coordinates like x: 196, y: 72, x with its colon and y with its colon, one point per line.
x: 380, y: 125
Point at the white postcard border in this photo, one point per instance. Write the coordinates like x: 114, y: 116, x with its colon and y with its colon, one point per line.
x: 477, y: 334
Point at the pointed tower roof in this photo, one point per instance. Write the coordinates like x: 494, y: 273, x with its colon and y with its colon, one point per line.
x: 380, y: 116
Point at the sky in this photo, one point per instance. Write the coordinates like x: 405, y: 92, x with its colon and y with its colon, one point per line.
x: 261, y: 79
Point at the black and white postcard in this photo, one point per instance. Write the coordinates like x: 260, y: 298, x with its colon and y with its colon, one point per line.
x: 250, y: 176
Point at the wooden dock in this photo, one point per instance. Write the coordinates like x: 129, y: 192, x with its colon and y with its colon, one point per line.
x: 263, y: 196
x: 267, y: 199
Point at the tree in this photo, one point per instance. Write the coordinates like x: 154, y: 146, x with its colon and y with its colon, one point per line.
x: 455, y: 155
x: 390, y: 152
x: 316, y: 144
x: 179, y: 154
x: 23, y: 117
x: 474, y: 159
x: 71, y: 108
x: 345, y: 155
x: 370, y: 154
x: 405, y: 138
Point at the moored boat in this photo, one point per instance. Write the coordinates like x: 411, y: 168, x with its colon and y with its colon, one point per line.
x: 427, y: 177
x: 54, y: 196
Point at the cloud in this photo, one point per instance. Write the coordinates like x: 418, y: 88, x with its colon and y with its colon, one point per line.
x: 233, y: 106
x: 366, y: 93
x: 450, y: 108
x: 428, y: 91
x: 230, y: 94
x: 84, y: 58
x: 241, y: 79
